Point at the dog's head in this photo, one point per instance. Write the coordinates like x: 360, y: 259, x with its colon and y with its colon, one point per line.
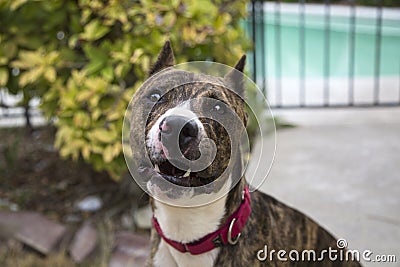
x: 192, y: 125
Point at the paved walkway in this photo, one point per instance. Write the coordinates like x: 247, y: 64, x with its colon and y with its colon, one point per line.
x: 342, y: 168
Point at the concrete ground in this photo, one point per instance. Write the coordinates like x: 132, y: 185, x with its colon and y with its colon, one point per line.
x: 342, y: 168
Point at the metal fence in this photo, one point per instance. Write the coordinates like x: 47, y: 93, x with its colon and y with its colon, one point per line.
x: 12, y: 114
x: 300, y: 52
x: 348, y: 46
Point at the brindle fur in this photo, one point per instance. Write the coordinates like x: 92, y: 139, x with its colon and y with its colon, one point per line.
x: 274, y: 224
x: 271, y: 222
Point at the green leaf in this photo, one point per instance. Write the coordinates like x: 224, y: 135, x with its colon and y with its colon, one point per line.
x: 95, y: 53
x: 94, y: 67
x: 98, y: 59
x: 108, y: 73
x: 8, y: 49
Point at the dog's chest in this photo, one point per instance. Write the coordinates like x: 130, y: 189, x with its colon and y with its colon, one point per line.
x: 187, y: 225
x: 167, y: 256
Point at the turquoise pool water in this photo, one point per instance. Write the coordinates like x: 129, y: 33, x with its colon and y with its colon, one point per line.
x: 340, y: 33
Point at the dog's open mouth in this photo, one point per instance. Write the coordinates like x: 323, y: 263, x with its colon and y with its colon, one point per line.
x: 180, y: 177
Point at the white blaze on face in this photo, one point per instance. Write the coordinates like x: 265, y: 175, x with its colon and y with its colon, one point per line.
x: 152, y: 140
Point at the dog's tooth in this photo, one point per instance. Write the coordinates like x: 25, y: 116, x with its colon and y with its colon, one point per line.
x: 157, y: 168
x: 187, y: 174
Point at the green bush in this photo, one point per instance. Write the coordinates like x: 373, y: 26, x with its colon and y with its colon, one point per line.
x: 86, y: 58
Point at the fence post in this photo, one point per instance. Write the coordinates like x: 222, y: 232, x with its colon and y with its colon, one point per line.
x: 278, y: 53
x: 302, y: 52
x: 378, y: 41
x: 352, y: 51
x: 327, y: 52
x: 28, y: 124
x: 253, y: 31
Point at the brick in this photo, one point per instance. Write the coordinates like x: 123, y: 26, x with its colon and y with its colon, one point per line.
x: 84, y: 243
x: 130, y: 250
x: 33, y: 229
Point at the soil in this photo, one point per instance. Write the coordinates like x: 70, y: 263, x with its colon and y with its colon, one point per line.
x: 34, y: 177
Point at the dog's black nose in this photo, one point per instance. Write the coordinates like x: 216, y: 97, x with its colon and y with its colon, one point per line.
x: 174, y: 126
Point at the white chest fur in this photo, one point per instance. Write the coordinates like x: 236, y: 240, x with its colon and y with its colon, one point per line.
x: 167, y: 256
x: 186, y: 225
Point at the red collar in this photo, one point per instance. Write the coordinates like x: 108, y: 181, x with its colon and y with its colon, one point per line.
x: 227, y: 234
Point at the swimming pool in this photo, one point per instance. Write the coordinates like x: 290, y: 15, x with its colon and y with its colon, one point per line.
x: 313, y: 47
x: 339, y: 39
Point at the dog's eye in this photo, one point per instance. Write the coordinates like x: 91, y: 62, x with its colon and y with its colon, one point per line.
x: 154, y: 97
x: 219, y: 109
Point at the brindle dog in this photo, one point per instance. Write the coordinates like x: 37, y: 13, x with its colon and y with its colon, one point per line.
x: 271, y: 222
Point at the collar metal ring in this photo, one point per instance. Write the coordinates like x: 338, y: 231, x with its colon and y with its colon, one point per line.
x: 236, y: 238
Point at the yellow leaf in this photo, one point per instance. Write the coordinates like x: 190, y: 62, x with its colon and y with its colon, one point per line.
x: 86, y: 152
x: 34, y: 58
x: 78, y: 76
x: 116, y: 149
x: 3, y: 61
x: 96, y: 114
x: 94, y: 30
x: 81, y: 119
x: 21, y: 64
x: 138, y: 52
x: 102, y: 135
x: 121, y: 70
x: 63, y: 133
x: 107, y: 154
x: 24, y: 79
x: 17, y: 3
x: 30, y: 76
x: 52, y: 57
x: 96, y: 149
x: 94, y: 101
x: 3, y: 76
x: 76, y: 144
x: 145, y: 63
x: 84, y: 95
x: 50, y: 74
x: 96, y: 84
x: 114, y: 115
x: 65, y: 151
x: 188, y: 33
x: 116, y: 177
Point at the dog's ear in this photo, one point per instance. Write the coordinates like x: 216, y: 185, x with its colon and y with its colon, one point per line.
x: 234, y: 79
x: 165, y: 59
